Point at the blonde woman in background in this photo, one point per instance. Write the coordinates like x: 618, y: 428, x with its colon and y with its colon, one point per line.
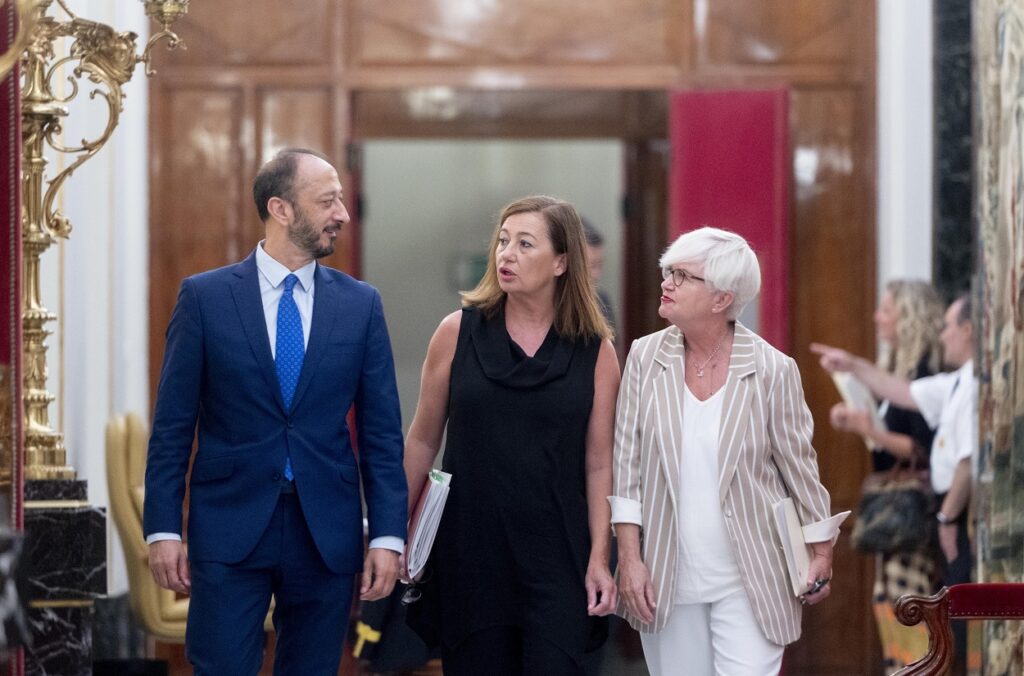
x: 908, y: 320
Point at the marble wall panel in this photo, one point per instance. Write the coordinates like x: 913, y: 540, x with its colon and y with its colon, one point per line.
x: 66, y: 551
x: 953, y: 241
x: 62, y: 642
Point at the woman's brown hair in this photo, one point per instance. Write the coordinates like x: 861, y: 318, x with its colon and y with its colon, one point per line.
x: 577, y: 313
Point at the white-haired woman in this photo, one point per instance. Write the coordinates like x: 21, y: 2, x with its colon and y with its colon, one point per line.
x: 711, y: 432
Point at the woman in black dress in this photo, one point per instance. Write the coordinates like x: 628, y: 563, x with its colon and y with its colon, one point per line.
x: 523, y: 379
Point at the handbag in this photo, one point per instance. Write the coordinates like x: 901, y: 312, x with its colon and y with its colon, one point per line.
x: 895, y: 511
x: 383, y: 641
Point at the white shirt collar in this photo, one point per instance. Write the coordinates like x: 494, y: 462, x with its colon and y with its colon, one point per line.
x: 275, y: 272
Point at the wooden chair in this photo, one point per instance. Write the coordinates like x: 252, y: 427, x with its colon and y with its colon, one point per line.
x: 161, y: 613
x: 976, y: 601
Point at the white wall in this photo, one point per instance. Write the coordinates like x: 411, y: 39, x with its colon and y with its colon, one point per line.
x: 98, y: 279
x: 904, y: 107
x: 432, y: 205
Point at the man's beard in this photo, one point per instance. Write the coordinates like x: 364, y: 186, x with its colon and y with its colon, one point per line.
x: 306, y: 236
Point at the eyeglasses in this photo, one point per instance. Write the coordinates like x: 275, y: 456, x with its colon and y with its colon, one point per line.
x: 679, y: 275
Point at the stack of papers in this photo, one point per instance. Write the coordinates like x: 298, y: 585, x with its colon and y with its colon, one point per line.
x: 796, y: 551
x: 794, y: 540
x: 425, y: 519
x: 857, y: 395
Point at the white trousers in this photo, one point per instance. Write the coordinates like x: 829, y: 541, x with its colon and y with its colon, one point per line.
x: 712, y: 639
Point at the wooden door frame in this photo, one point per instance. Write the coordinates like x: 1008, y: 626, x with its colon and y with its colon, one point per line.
x: 643, y: 132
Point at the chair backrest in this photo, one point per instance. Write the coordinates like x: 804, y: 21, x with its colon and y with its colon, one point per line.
x: 974, y: 601
x: 160, y: 612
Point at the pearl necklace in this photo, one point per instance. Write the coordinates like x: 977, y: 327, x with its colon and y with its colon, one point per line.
x: 714, y: 352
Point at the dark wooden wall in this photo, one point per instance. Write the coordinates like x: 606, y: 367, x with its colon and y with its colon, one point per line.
x: 262, y: 74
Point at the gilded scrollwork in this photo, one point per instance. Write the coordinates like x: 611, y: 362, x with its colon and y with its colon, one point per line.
x: 107, y: 58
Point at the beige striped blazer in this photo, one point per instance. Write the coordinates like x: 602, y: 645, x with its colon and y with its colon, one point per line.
x: 765, y: 454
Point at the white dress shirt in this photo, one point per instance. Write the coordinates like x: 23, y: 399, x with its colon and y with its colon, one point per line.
x: 948, y: 402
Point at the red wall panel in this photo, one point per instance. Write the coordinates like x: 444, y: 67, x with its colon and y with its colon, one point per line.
x: 730, y: 160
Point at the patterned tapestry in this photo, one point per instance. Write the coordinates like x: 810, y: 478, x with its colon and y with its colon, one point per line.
x: 999, y: 104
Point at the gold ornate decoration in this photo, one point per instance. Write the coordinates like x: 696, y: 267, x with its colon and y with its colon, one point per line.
x: 108, y: 59
x: 25, y: 10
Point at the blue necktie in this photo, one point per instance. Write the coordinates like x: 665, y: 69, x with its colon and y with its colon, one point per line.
x: 289, y: 350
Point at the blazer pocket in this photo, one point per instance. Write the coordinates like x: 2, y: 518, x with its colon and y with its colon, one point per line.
x: 211, y: 471
x: 349, y: 473
x: 335, y: 346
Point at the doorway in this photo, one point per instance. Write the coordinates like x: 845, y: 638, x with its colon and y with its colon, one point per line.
x: 428, y: 208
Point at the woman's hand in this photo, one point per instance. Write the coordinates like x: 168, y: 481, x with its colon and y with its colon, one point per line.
x: 636, y: 589
x: 601, y: 592
x: 847, y: 419
x: 833, y: 358
x: 947, y: 540
x: 820, y: 569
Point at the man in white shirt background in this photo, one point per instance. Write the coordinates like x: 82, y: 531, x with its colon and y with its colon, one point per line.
x: 948, y: 401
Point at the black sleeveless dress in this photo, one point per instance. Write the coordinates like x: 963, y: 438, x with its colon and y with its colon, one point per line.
x: 514, y: 541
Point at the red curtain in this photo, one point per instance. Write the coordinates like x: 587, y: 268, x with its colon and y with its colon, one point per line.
x: 730, y: 170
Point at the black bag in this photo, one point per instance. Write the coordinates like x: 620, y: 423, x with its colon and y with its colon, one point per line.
x: 895, y: 512
x: 383, y: 642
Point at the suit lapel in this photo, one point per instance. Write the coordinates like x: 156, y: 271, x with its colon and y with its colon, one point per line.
x: 326, y: 304
x: 668, y: 390
x: 736, y: 411
x: 246, y: 292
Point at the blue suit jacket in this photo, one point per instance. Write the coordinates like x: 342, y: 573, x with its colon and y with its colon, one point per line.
x: 218, y: 376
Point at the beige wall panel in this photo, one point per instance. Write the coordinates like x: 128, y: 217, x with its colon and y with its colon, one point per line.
x: 828, y: 236
x: 195, y: 215
x: 255, y: 33
x: 832, y: 248
x: 303, y: 118
x: 444, y: 111
x: 294, y: 117
x: 407, y: 32
x: 775, y: 32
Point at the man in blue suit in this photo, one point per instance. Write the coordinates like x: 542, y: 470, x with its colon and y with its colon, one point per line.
x: 263, y: 360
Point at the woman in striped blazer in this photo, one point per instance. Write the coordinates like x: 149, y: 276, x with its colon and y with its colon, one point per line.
x: 711, y: 431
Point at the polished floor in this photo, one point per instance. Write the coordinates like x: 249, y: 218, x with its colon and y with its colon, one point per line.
x: 620, y: 656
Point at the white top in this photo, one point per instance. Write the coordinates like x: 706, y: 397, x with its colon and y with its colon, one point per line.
x: 948, y: 402
x: 706, y: 566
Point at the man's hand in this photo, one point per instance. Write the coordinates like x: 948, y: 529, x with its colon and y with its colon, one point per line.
x: 169, y: 564
x: 832, y: 358
x: 379, y: 574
